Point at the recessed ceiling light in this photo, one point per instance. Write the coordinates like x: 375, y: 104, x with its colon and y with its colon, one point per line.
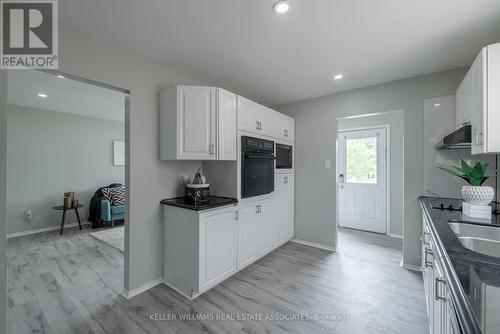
x: 281, y: 7
x: 60, y: 76
x: 42, y: 95
x: 437, y: 104
x: 338, y: 76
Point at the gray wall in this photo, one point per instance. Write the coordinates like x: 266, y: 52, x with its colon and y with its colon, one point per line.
x: 395, y: 120
x: 50, y: 153
x: 315, y: 200
x: 149, y: 179
x: 3, y: 201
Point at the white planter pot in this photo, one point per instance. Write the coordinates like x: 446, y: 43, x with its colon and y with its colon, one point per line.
x: 478, y: 195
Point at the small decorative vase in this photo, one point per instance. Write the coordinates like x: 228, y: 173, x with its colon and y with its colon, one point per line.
x: 479, y: 195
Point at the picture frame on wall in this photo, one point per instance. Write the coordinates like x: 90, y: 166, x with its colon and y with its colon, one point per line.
x: 118, y: 153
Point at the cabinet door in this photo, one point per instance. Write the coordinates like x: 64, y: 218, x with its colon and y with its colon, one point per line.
x: 289, y: 206
x: 278, y: 233
x: 248, y: 115
x: 196, y: 123
x: 493, y: 98
x: 264, y: 220
x: 439, y: 315
x: 247, y: 236
x: 218, y: 247
x: 476, y: 102
x: 226, y: 117
x: 286, y: 126
x: 268, y: 119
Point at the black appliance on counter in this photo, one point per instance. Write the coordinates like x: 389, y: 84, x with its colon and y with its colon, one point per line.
x: 257, y: 166
x: 284, y: 156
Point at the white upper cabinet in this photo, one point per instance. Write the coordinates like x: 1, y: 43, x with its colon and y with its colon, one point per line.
x: 478, y: 101
x: 248, y: 115
x: 197, y: 123
x: 286, y: 128
x: 226, y: 115
x: 259, y: 119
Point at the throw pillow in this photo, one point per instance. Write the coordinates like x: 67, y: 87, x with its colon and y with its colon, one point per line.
x: 118, y: 195
x: 108, y: 195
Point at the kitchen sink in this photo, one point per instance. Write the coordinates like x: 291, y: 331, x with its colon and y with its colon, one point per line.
x: 478, y: 238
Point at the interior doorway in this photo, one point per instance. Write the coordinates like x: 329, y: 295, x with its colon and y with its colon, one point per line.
x: 66, y: 138
x: 363, y: 177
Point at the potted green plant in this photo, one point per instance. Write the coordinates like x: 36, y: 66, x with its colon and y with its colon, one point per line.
x: 475, y: 175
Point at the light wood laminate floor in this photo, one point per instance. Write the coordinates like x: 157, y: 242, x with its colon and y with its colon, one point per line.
x: 72, y: 284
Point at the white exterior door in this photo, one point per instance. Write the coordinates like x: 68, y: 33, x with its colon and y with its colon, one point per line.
x: 362, y: 180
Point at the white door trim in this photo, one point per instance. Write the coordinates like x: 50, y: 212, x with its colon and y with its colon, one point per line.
x: 387, y: 128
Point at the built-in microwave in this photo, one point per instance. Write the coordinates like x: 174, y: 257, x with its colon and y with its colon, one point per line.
x: 257, y: 166
x: 284, y: 156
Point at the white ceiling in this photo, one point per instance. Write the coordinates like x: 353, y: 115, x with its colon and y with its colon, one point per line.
x: 243, y: 46
x: 64, y: 95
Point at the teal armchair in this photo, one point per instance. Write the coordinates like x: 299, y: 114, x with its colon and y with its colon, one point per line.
x: 111, y: 213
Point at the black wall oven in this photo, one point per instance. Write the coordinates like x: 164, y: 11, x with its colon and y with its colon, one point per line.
x: 257, y: 166
x: 284, y: 156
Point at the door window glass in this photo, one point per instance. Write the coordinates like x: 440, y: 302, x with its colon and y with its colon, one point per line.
x: 361, y: 160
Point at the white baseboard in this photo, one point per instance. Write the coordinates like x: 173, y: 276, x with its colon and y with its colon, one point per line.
x: 313, y: 244
x: 182, y: 293
x: 43, y: 229
x: 397, y: 236
x: 410, y: 267
x: 137, y: 291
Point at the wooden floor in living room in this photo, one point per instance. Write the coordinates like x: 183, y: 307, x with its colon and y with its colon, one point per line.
x: 73, y: 284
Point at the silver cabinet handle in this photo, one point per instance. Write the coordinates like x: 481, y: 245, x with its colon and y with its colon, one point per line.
x: 260, y: 125
x: 285, y: 133
x: 436, y: 289
x: 257, y: 209
x: 426, y: 240
x: 285, y: 180
x: 428, y: 264
x: 211, y: 149
x: 479, y: 138
x: 236, y: 215
x: 257, y: 125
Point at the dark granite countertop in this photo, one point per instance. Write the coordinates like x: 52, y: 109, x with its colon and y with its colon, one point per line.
x: 473, y: 278
x: 213, y: 202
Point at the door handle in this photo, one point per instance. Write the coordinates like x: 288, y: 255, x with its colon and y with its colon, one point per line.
x: 257, y: 125
x: 211, y: 149
x: 236, y: 215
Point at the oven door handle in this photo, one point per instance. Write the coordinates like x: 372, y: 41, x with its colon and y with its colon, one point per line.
x: 255, y: 156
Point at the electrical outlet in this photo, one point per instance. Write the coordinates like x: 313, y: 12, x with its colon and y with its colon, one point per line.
x: 328, y: 164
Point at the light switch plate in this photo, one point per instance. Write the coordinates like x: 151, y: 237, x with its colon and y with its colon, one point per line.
x: 328, y: 164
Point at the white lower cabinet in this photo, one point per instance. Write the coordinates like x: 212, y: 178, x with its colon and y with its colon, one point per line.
x: 254, y: 230
x: 284, y: 203
x: 200, y: 248
x: 440, y: 311
x: 203, y: 248
x: 218, y: 247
